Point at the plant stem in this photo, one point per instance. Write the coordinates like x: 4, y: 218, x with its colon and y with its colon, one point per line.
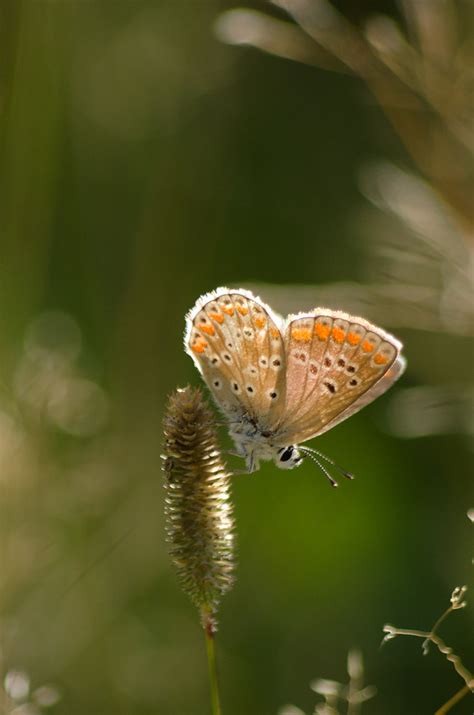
x: 452, y: 701
x: 211, y: 661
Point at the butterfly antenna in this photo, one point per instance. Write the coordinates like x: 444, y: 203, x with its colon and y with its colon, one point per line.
x: 346, y: 474
x: 309, y: 453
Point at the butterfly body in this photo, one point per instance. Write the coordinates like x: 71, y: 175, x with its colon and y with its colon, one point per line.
x: 256, y: 445
x: 281, y: 382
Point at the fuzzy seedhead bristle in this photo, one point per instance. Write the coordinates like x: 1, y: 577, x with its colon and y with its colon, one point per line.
x: 198, y: 509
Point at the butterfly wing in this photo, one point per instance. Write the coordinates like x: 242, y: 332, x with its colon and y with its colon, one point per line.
x: 336, y: 364
x: 236, y: 343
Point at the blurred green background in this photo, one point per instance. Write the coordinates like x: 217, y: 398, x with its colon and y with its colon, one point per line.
x: 143, y: 163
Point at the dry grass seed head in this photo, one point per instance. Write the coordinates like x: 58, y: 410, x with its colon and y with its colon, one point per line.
x: 198, y: 509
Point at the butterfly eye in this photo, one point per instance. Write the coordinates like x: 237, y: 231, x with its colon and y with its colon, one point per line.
x: 286, y: 453
x: 288, y: 457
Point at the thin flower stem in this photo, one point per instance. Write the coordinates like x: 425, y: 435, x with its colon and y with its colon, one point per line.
x: 452, y: 701
x: 442, y: 647
x: 444, y: 615
x: 211, y: 661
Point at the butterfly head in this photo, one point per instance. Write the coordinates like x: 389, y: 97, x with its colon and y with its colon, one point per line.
x: 288, y: 457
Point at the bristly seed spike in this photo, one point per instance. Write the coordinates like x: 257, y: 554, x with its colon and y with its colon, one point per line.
x: 199, y: 520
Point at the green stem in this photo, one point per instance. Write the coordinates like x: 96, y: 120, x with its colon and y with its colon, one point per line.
x: 211, y: 661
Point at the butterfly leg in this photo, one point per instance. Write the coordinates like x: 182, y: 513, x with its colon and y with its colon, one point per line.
x: 233, y: 453
x: 252, y: 463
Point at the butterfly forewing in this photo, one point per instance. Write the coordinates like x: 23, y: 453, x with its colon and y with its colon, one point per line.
x: 335, y: 365
x: 236, y: 342
x: 386, y: 381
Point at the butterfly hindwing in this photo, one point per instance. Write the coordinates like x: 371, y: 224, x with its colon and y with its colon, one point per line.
x: 236, y: 342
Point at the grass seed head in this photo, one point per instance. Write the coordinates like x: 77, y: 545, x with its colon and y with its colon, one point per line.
x: 198, y: 509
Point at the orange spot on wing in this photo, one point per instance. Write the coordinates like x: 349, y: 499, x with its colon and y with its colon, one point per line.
x: 338, y: 334
x: 228, y: 309
x: 199, y: 346
x: 322, y: 331
x: 353, y: 338
x: 380, y: 359
x: 242, y: 309
x: 217, y: 317
x: 208, y: 329
x: 367, y: 347
x: 260, y: 322
x: 274, y: 332
x: 303, y: 334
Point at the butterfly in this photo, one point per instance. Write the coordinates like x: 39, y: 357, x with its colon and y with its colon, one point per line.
x: 282, y: 382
